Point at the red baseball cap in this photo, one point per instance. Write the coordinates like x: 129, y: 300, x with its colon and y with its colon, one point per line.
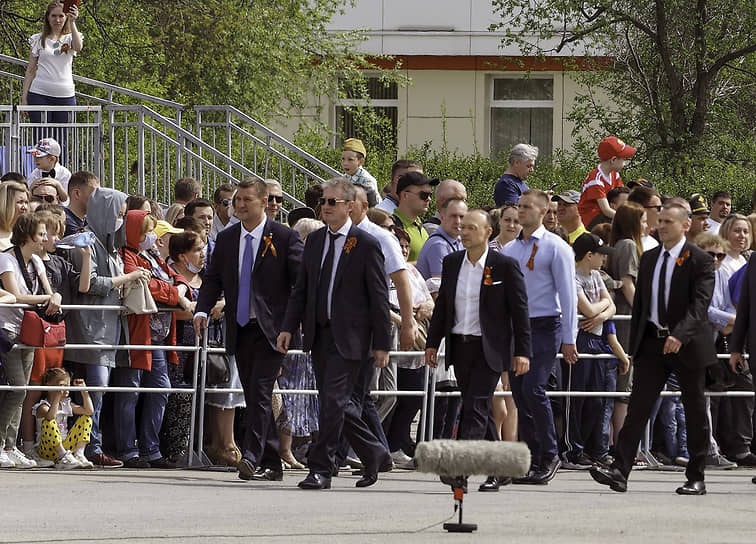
x: 614, y: 147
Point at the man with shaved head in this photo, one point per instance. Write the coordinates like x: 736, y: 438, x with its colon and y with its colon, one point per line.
x: 447, y: 189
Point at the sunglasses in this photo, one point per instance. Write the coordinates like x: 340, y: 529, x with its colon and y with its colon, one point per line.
x: 47, y: 198
x: 225, y: 202
x: 423, y: 195
x: 717, y: 256
x: 657, y: 208
x: 330, y: 201
x: 278, y: 199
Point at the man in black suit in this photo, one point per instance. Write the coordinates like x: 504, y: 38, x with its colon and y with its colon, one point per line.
x: 255, y: 264
x: 669, y: 332
x: 745, y: 325
x: 482, y: 312
x: 341, y: 298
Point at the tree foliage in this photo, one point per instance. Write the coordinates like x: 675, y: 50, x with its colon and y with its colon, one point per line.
x: 681, y: 77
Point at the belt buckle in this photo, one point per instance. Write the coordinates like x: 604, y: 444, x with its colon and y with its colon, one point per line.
x: 662, y: 332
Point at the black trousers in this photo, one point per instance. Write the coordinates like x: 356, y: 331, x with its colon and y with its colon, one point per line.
x: 477, y: 383
x: 259, y: 365
x: 337, y: 378
x: 651, y: 371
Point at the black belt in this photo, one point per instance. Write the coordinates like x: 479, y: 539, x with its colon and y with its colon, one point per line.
x: 657, y: 332
x: 466, y: 338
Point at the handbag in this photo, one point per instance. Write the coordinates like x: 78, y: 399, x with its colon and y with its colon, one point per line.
x: 217, y: 371
x: 39, y: 333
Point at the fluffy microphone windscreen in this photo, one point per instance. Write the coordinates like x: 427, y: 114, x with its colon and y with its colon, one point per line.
x: 468, y: 457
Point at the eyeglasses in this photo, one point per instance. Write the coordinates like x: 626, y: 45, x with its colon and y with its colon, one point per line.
x: 422, y: 195
x: 657, y: 208
x: 717, y: 256
x: 330, y: 201
x: 278, y: 199
x: 47, y: 198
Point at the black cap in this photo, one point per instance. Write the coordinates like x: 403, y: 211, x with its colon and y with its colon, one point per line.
x: 698, y: 205
x: 589, y: 242
x: 413, y: 178
x: 300, y: 213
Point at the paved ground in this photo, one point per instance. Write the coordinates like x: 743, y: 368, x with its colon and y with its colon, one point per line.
x: 141, y: 506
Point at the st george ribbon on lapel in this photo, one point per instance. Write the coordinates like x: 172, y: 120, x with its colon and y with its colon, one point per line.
x: 324, y: 281
x: 245, y: 283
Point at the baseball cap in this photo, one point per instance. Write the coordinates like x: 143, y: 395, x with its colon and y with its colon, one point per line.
x: 589, y: 242
x: 612, y: 146
x: 570, y: 197
x: 44, y: 147
x: 698, y: 205
x: 164, y: 227
x: 640, y: 182
x: 413, y: 178
x: 300, y: 213
x: 353, y: 144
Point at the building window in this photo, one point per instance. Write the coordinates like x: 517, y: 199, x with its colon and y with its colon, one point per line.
x: 522, y: 111
x: 383, y: 102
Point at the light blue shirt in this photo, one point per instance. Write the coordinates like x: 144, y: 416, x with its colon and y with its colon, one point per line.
x: 431, y: 256
x: 721, y: 308
x: 551, y: 283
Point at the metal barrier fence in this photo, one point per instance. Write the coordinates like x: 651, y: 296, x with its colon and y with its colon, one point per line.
x: 198, y: 389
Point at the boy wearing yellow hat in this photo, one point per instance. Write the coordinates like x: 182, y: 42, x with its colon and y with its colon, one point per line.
x: 352, y: 160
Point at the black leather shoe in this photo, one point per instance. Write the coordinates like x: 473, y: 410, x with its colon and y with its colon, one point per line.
x: 753, y: 480
x: 544, y: 475
x: 504, y: 480
x: 268, y: 475
x: 455, y: 482
x: 609, y: 476
x: 163, y: 463
x: 491, y: 484
x: 315, y: 481
x: 367, y: 480
x: 246, y: 469
x: 692, y: 488
x: 527, y: 478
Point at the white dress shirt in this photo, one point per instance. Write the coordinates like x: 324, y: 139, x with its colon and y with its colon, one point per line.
x: 674, y: 253
x: 467, y: 297
x: 337, y: 250
x: 257, y: 234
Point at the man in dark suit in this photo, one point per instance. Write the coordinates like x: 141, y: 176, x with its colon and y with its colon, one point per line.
x: 341, y: 298
x: 745, y: 325
x: 482, y: 312
x: 255, y: 264
x: 669, y: 332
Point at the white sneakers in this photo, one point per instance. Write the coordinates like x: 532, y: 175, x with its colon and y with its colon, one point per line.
x: 67, y: 462
x: 5, y: 461
x: 37, y: 458
x: 402, y: 460
x: 20, y: 460
x: 83, y: 461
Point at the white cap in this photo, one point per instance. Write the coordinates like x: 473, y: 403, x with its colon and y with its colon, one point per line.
x: 46, y: 146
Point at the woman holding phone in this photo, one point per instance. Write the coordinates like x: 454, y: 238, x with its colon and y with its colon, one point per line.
x: 49, y: 76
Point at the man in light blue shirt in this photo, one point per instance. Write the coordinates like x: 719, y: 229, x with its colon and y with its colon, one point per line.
x: 444, y: 241
x: 548, y: 264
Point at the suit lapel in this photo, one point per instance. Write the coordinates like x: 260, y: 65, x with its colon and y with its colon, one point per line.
x: 234, y: 252
x: 648, y: 278
x: 344, y: 257
x: 451, y: 292
x: 261, y: 245
x: 674, y: 283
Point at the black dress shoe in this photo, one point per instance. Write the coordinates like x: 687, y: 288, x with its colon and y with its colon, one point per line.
x: 268, y: 475
x: 504, y: 480
x: 136, y: 462
x: 544, y: 475
x: 692, y: 488
x: 753, y: 480
x: 527, y: 479
x: 367, y: 480
x: 246, y: 469
x: 491, y: 484
x: 609, y: 476
x: 163, y: 463
x: 455, y: 482
x: 315, y: 481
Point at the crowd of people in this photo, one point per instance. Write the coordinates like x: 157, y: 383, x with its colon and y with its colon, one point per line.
x: 262, y: 279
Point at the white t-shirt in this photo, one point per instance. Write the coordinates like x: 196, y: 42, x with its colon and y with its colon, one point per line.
x: 731, y: 265
x: 54, y: 71
x: 65, y: 410
x: 62, y: 174
x: 10, y: 318
x: 713, y: 226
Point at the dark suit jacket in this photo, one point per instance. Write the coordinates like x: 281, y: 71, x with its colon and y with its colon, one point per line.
x: 691, y: 287
x: 272, y: 279
x: 745, y: 318
x: 504, y: 321
x: 359, y: 306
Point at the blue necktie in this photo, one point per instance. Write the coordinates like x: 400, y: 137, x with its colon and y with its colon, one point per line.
x: 245, y: 283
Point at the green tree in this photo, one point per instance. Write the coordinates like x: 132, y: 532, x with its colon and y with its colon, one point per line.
x: 679, y: 73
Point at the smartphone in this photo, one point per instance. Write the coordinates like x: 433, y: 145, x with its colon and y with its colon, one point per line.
x: 68, y: 3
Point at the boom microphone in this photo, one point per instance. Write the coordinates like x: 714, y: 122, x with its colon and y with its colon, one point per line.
x: 468, y: 457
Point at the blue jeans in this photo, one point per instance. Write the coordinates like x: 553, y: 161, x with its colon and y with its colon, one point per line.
x: 153, y: 408
x: 610, y: 384
x: 535, y: 419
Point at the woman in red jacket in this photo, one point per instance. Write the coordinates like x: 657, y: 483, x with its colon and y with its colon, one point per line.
x: 147, y: 368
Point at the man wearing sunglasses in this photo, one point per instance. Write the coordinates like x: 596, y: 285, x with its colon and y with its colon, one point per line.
x: 275, y: 199
x: 415, y: 191
x: 222, y: 206
x: 341, y: 301
x: 48, y: 190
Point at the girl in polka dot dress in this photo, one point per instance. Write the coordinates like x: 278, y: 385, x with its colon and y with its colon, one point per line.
x: 55, y: 441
